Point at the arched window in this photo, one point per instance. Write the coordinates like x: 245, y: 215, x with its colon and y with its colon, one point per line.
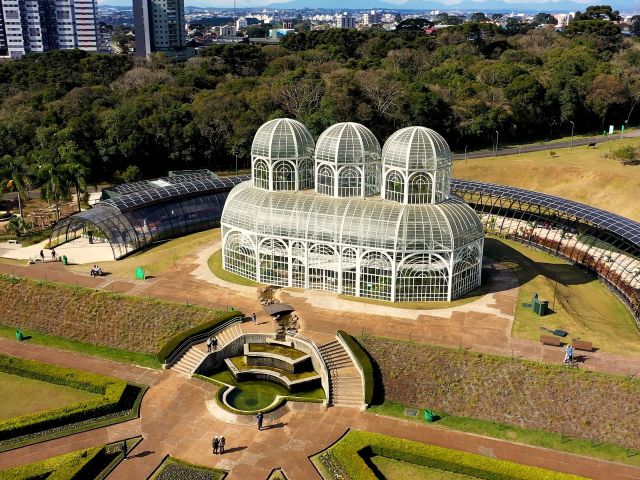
x: 324, y: 265
x: 324, y: 182
x: 274, y: 263
x: 298, y: 272
x: 284, y: 176
x: 466, y: 275
x: 261, y: 174
x: 375, y: 276
x: 349, y: 269
x: 423, y: 277
x: 240, y: 255
x: 372, y: 179
x: 442, y: 186
x: 349, y: 182
x: 394, y: 187
x: 420, y: 188
x: 305, y: 174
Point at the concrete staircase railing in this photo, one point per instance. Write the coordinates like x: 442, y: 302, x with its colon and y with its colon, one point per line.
x: 345, y: 381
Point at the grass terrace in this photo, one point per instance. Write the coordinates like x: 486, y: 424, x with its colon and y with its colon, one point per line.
x: 174, y: 469
x: 281, y: 350
x: 241, y: 364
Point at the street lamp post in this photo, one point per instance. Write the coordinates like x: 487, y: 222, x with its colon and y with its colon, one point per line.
x: 497, y: 136
x: 571, y: 141
x: 236, y: 163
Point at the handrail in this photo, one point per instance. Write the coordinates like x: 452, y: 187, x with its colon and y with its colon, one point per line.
x: 357, y: 364
x: 187, y: 342
x: 325, y: 369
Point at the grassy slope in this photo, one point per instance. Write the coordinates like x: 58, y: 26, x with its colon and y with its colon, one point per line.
x: 397, y: 470
x: 215, y: 265
x: 583, y: 306
x: 539, y: 438
x: 581, y: 174
x: 35, y: 396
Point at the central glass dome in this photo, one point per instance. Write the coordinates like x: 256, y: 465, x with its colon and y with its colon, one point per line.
x: 282, y: 138
x: 347, y: 161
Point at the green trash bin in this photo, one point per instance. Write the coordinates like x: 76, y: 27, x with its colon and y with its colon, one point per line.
x: 429, y: 416
x: 140, y: 273
x: 65, y: 261
x: 19, y: 335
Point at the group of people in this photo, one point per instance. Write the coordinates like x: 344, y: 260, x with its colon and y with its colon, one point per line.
x: 217, y: 444
x: 96, y: 271
x: 212, y: 344
x: 53, y: 254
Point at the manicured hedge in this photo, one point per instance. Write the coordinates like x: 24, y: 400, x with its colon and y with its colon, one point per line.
x: 220, y: 317
x: 365, y: 363
x: 354, y: 448
x: 70, y: 466
x: 175, y: 469
x: 113, y: 397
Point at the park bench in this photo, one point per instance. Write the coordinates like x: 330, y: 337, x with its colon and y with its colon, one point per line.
x: 550, y: 340
x: 593, y: 144
x: 582, y: 345
x: 12, y: 242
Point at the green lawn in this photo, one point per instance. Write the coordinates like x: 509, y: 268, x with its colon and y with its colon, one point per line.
x: 281, y: 350
x: 538, y: 438
x: 583, y: 306
x: 392, y: 469
x: 174, y: 468
x: 21, y: 396
x: 241, y: 364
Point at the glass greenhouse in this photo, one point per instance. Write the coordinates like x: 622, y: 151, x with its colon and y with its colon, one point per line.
x: 376, y: 225
x: 138, y: 214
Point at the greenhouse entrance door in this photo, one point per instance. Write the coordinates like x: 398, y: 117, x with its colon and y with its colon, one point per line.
x: 322, y: 279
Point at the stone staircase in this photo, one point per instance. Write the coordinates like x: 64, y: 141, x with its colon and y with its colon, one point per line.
x: 345, y: 382
x: 195, y: 355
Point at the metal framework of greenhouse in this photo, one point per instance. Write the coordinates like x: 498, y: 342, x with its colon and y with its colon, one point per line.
x: 603, y: 242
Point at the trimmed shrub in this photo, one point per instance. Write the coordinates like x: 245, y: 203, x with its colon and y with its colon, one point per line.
x: 364, y: 361
x: 352, y: 451
x: 70, y: 466
x: 115, y: 394
x: 220, y: 317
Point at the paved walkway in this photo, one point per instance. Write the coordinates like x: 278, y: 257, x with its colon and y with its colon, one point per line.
x: 175, y: 420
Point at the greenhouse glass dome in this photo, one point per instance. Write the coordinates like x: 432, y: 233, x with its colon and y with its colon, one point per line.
x: 419, y: 244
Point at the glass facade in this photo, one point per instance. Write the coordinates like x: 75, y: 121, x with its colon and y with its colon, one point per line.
x: 347, y: 237
x: 149, y: 212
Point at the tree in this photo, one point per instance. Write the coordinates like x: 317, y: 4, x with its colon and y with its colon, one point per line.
x: 53, y: 180
x: 478, y: 17
x: 634, y: 25
x: 414, y: 24
x: 75, y: 162
x: 544, y: 19
x: 130, y: 174
x: 599, y: 12
x: 13, y: 176
x: 604, y: 92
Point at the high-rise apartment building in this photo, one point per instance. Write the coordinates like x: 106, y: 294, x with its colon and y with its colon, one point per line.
x: 160, y: 27
x: 345, y: 20
x: 371, y: 18
x: 42, y: 25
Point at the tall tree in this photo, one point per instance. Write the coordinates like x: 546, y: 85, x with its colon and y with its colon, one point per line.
x: 13, y: 176
x: 75, y: 163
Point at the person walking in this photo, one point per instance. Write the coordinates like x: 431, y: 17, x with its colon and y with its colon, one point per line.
x: 53, y: 254
x: 214, y: 344
x: 216, y: 445
x: 209, y: 344
x: 42, y: 255
x: 254, y: 318
x: 221, y: 443
x: 260, y: 418
x: 570, y: 352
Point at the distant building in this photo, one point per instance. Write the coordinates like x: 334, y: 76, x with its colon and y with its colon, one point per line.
x: 371, y: 18
x: 288, y: 23
x: 345, y: 20
x: 42, y: 25
x: 226, y: 31
x: 160, y: 27
x: 280, y: 32
x: 241, y: 23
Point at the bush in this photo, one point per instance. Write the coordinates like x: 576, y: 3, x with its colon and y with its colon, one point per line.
x: 169, y: 347
x: 70, y: 466
x: 115, y: 393
x: 364, y: 361
x: 352, y: 450
x: 628, y: 155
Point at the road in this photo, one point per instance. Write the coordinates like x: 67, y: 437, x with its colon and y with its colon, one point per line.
x: 545, y: 146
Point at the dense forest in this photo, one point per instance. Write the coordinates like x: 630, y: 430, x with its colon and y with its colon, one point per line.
x: 68, y: 118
